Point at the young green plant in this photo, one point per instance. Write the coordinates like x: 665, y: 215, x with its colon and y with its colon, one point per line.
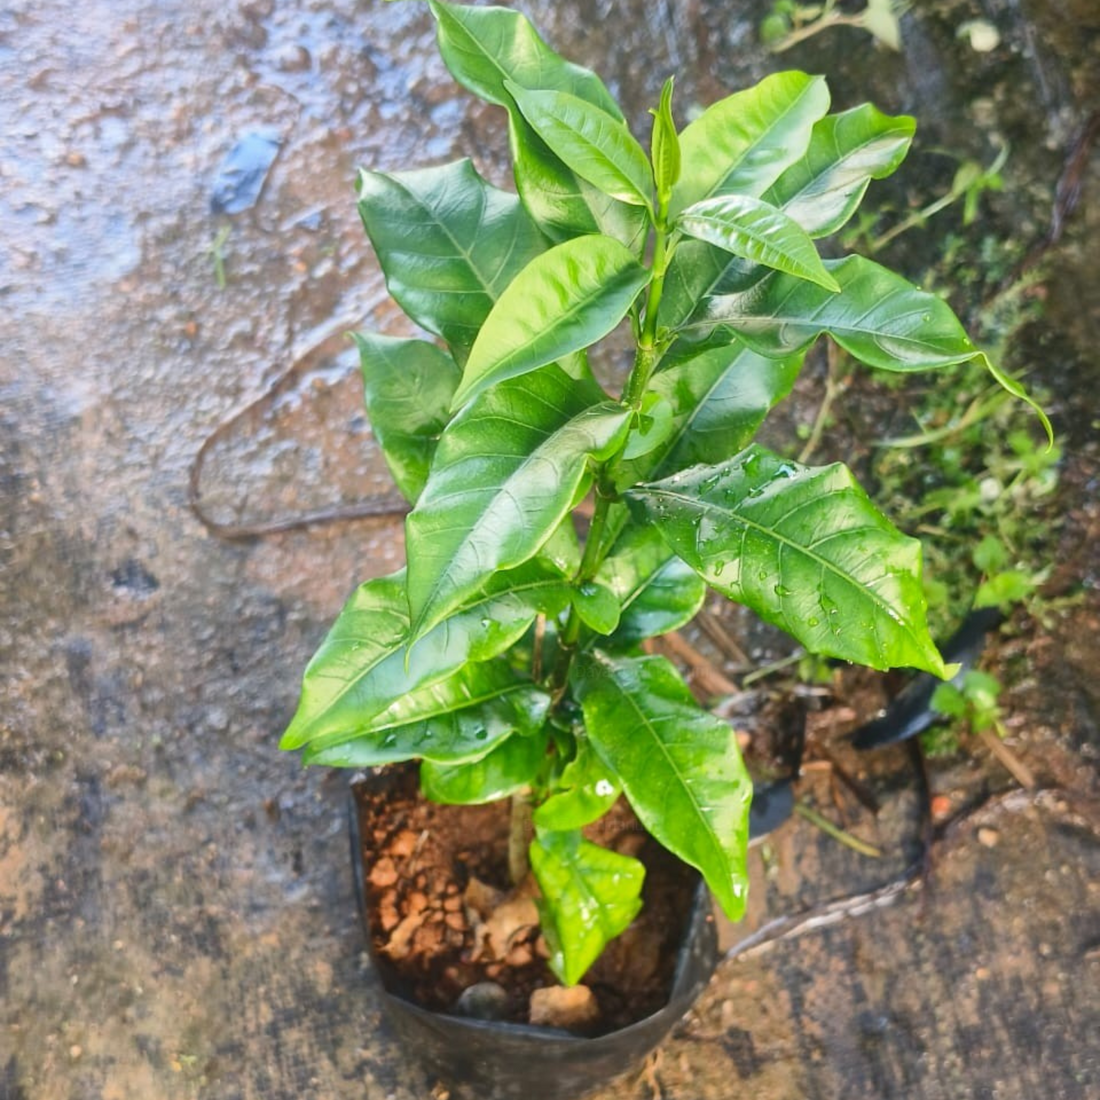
x: 508, y: 655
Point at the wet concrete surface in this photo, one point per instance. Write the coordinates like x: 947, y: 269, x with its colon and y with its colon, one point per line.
x: 176, y: 911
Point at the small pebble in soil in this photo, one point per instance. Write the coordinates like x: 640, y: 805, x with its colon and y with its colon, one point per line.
x: 483, y: 1001
x: 383, y: 873
x: 568, y: 1007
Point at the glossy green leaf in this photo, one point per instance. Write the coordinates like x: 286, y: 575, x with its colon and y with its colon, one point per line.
x: 665, y: 147
x: 595, y: 145
x: 597, y: 607
x: 457, y: 720
x: 364, y: 664
x: 509, y: 767
x: 655, y: 589
x: 878, y: 317
x: 697, y: 272
x: 408, y: 385
x: 507, y: 470
x: 806, y: 549
x: 586, y: 790
x: 485, y: 46
x: 448, y: 242
x: 719, y: 398
x: 589, y: 896
x: 679, y: 766
x: 743, y: 143
x: 823, y: 189
x: 756, y: 231
x: 820, y: 191
x: 563, y: 301
x: 563, y: 204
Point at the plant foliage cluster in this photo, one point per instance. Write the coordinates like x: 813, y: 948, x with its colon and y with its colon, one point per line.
x: 508, y: 655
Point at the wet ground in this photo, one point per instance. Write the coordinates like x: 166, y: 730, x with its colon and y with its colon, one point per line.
x: 176, y: 912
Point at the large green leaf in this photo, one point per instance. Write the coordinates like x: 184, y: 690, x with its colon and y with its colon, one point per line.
x: 510, y: 767
x: 878, y: 317
x: 454, y: 721
x: 847, y: 150
x: 563, y: 204
x: 586, y: 790
x: 719, y: 398
x: 408, y: 385
x: 589, y: 896
x: 756, y: 231
x: 820, y: 191
x: 564, y: 300
x: 448, y: 242
x: 507, y: 471
x: 595, y: 145
x: 679, y: 766
x: 485, y: 46
x: 364, y: 664
x: 742, y: 144
x: 656, y: 590
x: 806, y: 549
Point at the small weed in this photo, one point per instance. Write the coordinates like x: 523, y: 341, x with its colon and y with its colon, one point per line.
x: 789, y: 22
x: 216, y: 252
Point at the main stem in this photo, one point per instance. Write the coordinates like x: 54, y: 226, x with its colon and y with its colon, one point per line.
x: 645, y: 362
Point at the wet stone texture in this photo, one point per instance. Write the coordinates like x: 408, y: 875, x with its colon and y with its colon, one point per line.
x: 176, y: 910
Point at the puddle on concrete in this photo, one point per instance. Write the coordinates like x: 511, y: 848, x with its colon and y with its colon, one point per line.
x: 176, y: 916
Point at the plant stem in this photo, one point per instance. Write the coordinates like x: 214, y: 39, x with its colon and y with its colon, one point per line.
x: 646, y: 358
x: 827, y: 20
x: 519, y: 837
x: 590, y: 563
x: 838, y: 834
x: 1012, y: 763
x: 833, y: 389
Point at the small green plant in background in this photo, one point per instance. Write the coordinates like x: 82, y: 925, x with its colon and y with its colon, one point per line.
x: 969, y: 183
x: 507, y: 656
x: 790, y: 22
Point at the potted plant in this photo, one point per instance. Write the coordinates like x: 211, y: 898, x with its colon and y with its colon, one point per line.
x: 507, y: 656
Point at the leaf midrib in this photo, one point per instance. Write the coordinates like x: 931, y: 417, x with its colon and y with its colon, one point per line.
x: 750, y: 149
x: 566, y: 319
x: 460, y: 250
x: 499, y: 490
x: 823, y: 563
x: 708, y: 829
x: 387, y: 653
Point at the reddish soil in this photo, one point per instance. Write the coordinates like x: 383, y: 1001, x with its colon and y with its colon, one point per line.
x: 442, y: 915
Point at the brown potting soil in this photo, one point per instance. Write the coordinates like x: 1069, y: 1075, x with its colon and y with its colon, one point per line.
x: 443, y: 916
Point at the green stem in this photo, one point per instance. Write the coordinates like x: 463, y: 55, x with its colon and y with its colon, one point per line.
x: 646, y: 358
x: 845, y: 838
x: 590, y: 564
